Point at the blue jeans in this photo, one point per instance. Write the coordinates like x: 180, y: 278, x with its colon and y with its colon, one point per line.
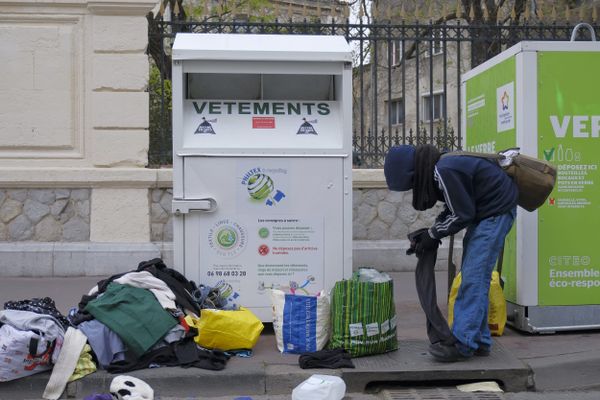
x: 481, y: 248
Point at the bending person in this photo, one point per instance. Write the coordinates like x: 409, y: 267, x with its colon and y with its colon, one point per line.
x: 479, y: 197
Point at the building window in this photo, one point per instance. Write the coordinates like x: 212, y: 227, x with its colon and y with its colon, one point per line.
x: 433, y: 104
x: 437, y: 47
x: 396, y: 52
x: 397, y: 111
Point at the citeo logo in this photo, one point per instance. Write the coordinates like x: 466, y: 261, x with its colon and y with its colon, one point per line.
x: 582, y: 126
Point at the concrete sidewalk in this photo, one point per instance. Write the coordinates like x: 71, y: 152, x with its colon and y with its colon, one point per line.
x: 519, y: 361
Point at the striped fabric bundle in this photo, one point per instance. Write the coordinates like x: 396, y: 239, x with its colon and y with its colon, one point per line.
x: 363, y: 317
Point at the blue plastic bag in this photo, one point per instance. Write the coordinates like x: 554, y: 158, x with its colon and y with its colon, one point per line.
x: 301, y: 323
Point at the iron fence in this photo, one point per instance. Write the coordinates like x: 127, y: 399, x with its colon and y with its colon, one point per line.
x: 406, y: 76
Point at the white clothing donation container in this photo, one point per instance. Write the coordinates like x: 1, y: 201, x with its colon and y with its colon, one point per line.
x: 262, y: 163
x: 543, y: 98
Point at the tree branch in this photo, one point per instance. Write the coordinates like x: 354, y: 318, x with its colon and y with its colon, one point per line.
x: 411, y: 50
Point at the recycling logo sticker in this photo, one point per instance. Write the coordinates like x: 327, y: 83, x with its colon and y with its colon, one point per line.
x: 261, y: 187
x: 206, y: 127
x: 227, y: 238
x: 307, y: 127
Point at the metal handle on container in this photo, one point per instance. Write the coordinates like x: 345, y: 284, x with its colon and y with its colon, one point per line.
x: 583, y: 25
x: 181, y: 206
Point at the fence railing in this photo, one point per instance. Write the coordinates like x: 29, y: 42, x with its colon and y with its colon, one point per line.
x: 406, y: 76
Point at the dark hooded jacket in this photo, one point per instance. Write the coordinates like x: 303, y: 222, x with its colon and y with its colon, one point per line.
x: 472, y: 188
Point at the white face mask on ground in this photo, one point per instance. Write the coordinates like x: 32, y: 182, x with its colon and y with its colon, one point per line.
x: 124, y: 387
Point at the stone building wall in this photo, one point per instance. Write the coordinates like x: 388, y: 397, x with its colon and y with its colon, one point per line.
x: 379, y: 214
x: 74, y: 190
x: 45, y: 215
x: 161, y: 217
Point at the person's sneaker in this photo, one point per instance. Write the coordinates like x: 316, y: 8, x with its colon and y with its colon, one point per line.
x: 446, y: 353
x: 483, y: 351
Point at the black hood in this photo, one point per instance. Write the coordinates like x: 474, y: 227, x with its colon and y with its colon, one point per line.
x: 399, y: 168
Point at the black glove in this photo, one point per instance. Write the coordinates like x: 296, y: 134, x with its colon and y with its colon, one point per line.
x: 412, y: 236
x: 424, y: 243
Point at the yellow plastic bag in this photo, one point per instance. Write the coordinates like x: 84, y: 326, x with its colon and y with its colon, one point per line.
x: 226, y: 329
x: 496, y: 310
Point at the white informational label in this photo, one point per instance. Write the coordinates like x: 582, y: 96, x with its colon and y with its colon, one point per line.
x: 356, y: 330
x: 505, y: 107
x: 245, y: 256
x: 385, y: 326
x: 393, y: 322
x: 372, y: 329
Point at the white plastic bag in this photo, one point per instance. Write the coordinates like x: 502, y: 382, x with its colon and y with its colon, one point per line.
x: 320, y: 387
x: 16, y: 360
x: 372, y: 275
x: 301, y: 323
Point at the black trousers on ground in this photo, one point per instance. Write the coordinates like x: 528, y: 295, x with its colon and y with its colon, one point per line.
x: 437, y: 326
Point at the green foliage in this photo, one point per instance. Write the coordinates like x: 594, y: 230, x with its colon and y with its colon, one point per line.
x: 155, y: 85
x: 160, y: 119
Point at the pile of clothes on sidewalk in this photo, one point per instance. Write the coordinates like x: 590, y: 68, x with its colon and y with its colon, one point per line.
x: 139, y: 319
x: 136, y: 319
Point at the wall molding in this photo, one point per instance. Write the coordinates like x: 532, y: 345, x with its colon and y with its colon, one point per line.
x: 60, y: 177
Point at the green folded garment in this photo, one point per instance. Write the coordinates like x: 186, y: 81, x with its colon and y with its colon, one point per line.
x: 134, y: 314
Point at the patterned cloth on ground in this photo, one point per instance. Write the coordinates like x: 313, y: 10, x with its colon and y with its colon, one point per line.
x: 44, y: 306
